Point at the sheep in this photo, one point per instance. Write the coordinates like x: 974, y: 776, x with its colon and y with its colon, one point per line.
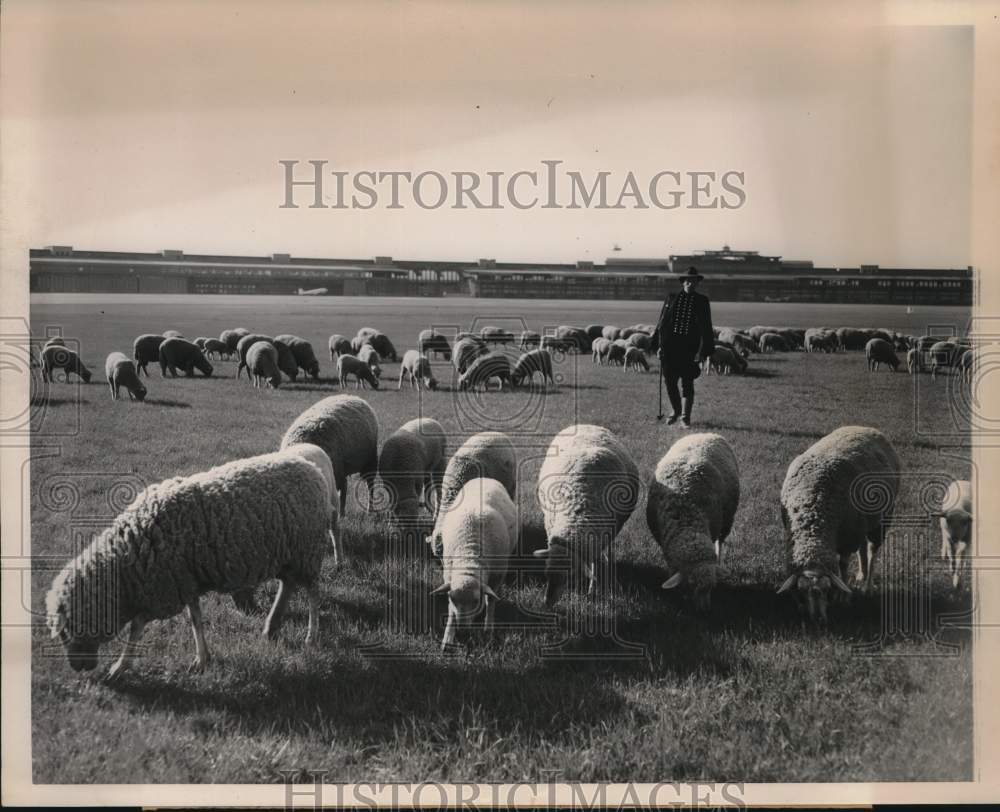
x: 484, y: 369
x: 837, y: 493
x: 380, y: 341
x: 262, y: 365
x: 594, y: 331
x: 146, y: 350
x: 634, y: 359
x: 640, y: 341
x: 120, y: 371
x: 418, y: 367
x: 529, y: 340
x: 489, y: 454
x: 346, y: 428
x: 286, y: 360
x: 943, y: 355
x: 431, y: 342
x: 172, y: 334
x: 180, y: 353
x: 955, y: 518
x: 725, y: 360
x: 303, y: 353
x: 214, y: 348
x: 611, y: 332
x: 232, y: 337
x: 616, y: 353
x: 528, y: 364
x: 369, y: 355
x: 465, y: 351
x: 496, y: 335
x: 599, y: 350
x: 352, y: 365
x: 588, y: 487
x: 741, y: 342
x: 692, y: 501
x: 575, y: 337
x: 852, y: 338
x: 914, y: 361
x: 772, y: 342
x: 556, y: 344
x: 339, y: 345
x: 967, y: 365
x: 479, y: 534
x: 224, y: 530
x: 879, y: 351
x: 412, y: 465
x: 56, y: 356
x: 200, y: 343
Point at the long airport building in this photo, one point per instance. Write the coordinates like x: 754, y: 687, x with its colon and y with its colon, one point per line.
x: 729, y: 276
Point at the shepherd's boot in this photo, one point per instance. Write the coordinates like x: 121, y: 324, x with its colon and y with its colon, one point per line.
x: 686, y: 416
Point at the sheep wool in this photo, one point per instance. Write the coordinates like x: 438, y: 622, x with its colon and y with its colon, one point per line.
x: 955, y: 518
x: 412, y: 464
x: 262, y: 365
x: 352, y: 365
x: 418, y: 367
x: 120, y: 371
x: 226, y: 529
x: 692, y: 502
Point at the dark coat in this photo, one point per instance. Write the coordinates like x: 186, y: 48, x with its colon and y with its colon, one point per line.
x: 699, y: 332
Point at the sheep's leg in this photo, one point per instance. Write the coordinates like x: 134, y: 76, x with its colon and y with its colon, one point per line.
x: 111, y: 386
x: 449, y: 629
x: 342, y: 488
x: 864, y: 566
x: 400, y: 386
x: 592, y: 576
x: 872, y: 552
x: 491, y: 610
x: 131, y: 648
x: 201, y: 655
x: 277, y: 613
x: 312, y: 632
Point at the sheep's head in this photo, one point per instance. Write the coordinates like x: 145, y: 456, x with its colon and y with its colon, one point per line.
x: 812, y: 591
x: 701, y: 579
x: 139, y: 391
x: 204, y: 366
x: 558, y: 564
x: 82, y: 613
x: 432, y: 383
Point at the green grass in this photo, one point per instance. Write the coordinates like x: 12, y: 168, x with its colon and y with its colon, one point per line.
x: 742, y: 694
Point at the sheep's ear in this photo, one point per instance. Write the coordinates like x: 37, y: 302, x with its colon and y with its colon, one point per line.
x: 490, y: 592
x: 835, y: 579
x: 789, y: 582
x: 674, y: 580
x: 543, y: 553
x: 444, y: 588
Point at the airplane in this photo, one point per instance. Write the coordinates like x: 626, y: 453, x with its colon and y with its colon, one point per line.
x: 313, y: 292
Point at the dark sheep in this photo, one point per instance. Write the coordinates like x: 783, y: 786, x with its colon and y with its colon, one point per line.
x: 430, y: 342
x: 214, y: 348
x: 302, y: 352
x: 56, y: 357
x: 484, y: 369
x: 146, y: 350
x: 286, y: 361
x: 339, y: 345
x: 179, y: 353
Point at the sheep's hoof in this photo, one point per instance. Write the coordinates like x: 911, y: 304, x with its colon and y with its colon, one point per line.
x: 115, y: 672
x: 198, y: 666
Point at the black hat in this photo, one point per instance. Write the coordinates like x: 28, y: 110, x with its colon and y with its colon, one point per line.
x: 692, y: 273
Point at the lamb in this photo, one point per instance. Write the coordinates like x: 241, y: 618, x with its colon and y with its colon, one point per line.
x: 412, y: 465
x: 955, y: 517
x: 634, y: 359
x: 879, y: 351
x: 528, y: 364
x: 489, y: 454
x: 286, y: 361
x: 179, y: 353
x: 431, y: 342
x: 588, y: 487
x: 262, y: 365
x: 146, y: 350
x: 120, y: 371
x: 692, y: 501
x: 772, y: 342
x: 214, y: 348
x: 339, y: 345
x: 837, y: 493
x: 465, y: 351
x: 352, y: 365
x: 303, y: 353
x: 599, y: 350
x: 369, y: 355
x: 418, y: 367
x: 479, y: 534
x: 529, y: 340
x: 914, y: 361
x: 484, y: 369
x: 346, y: 428
x: 227, y: 529
x: 56, y: 356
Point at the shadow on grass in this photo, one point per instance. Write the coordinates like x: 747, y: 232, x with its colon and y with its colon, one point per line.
x: 709, y: 424
x: 174, y: 404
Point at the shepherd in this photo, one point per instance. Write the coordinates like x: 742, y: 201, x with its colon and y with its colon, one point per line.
x: 684, y: 338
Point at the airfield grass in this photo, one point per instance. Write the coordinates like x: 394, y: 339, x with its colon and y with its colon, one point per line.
x: 744, y: 693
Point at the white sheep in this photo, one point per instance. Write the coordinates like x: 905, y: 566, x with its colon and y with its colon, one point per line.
x: 479, y: 534
x: 692, y: 501
x: 836, y: 494
x: 599, y: 350
x: 412, y: 465
x: 588, y: 487
x: 262, y: 365
x: 914, y: 361
x: 346, y: 428
x: 955, y: 518
x: 369, y: 355
x: 418, y: 367
x: 352, y: 365
x: 120, y: 371
x: 488, y: 454
x: 227, y: 529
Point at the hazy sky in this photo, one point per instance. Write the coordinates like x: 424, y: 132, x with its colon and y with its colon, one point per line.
x: 142, y: 125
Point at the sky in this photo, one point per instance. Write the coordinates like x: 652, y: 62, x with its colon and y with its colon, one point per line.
x: 150, y: 125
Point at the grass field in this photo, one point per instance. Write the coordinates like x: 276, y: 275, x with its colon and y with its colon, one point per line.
x: 745, y: 693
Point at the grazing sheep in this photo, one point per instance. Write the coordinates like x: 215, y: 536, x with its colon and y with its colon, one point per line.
x: 120, y: 371
x: 418, y: 367
x: 224, y: 530
x: 555, y: 344
x: 56, y: 356
x: 725, y: 360
x: 836, y: 494
x: 879, y: 351
x: 369, y: 355
x: 772, y: 342
x: 200, y: 342
x: 611, y: 332
x: 339, y: 345
x: 634, y: 359
x: 303, y: 353
x: 914, y: 361
x: 232, y: 337
x: 489, y: 454
x: 955, y: 518
x: 412, y: 465
x: 599, y: 350
x: 465, y: 351
x: 528, y: 364
x: 214, y: 348
x: 380, y: 341
x: 740, y: 342
x: 352, y: 365
x: 361, y: 338
x: 172, y: 334
x: 479, y: 534
x: 852, y: 338
x: 594, y: 331
x: 588, y: 487
x: 178, y: 353
x: 692, y: 500
x: 146, y: 350
x: 484, y: 369
x: 529, y: 340
x: 967, y: 365
x: 430, y: 342
x: 286, y: 360
x: 943, y: 354
x: 616, y: 353
x: 346, y: 428
x: 496, y: 335
x: 641, y: 341
x: 262, y: 365
x: 575, y: 337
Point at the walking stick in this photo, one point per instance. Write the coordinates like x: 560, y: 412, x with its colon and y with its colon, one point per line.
x: 659, y: 408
